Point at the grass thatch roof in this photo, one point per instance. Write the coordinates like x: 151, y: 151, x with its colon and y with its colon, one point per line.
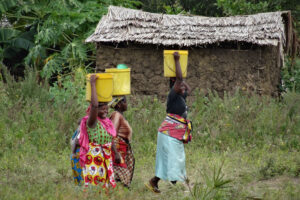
x: 129, y: 25
x: 122, y: 24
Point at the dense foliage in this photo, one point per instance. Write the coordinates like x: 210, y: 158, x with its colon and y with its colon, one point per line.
x: 290, y: 75
x: 49, y: 34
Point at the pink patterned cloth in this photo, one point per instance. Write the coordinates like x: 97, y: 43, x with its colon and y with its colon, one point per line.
x: 84, y: 138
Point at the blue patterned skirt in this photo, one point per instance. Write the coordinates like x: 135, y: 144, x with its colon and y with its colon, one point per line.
x: 76, y: 168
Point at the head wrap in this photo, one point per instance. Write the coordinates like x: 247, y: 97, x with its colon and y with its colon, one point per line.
x: 115, y: 101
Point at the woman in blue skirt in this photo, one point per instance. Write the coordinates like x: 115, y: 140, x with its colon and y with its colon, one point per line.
x: 174, y: 131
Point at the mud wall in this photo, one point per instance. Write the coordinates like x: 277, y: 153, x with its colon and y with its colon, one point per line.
x: 219, y: 69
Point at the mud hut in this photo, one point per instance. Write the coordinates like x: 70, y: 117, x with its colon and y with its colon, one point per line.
x: 224, y: 53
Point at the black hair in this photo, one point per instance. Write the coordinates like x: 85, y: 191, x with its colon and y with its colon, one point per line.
x: 124, y: 99
x: 117, y: 107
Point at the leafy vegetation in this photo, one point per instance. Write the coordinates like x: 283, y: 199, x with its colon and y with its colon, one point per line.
x: 243, y: 147
x: 242, y: 7
x: 51, y: 34
x: 291, y: 75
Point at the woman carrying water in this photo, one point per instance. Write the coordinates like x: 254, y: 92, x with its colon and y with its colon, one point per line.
x: 95, y: 140
x: 172, y: 134
x: 123, y: 170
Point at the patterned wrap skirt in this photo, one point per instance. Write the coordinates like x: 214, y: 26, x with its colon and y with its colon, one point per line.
x: 170, y: 158
x: 124, y: 171
x: 76, y: 167
x: 99, y: 166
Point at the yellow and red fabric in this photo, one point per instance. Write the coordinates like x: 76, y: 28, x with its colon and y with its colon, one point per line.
x: 121, y: 147
x: 123, y: 171
x: 99, y: 166
x: 177, y: 127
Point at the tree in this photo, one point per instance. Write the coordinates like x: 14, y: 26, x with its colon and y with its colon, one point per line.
x: 54, y: 30
x: 202, y: 7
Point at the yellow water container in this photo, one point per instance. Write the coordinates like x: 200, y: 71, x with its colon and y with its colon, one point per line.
x: 169, y: 63
x: 121, y: 80
x: 104, y: 87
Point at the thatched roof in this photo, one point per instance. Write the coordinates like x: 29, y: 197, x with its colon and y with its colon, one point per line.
x: 129, y: 25
x: 122, y: 24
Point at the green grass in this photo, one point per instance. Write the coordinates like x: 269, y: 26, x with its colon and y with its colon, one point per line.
x: 244, y: 147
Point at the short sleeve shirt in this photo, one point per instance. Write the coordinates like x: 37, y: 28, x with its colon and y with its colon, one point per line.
x: 176, y: 103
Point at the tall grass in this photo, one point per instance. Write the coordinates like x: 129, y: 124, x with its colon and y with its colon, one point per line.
x: 256, y: 138
x: 243, y: 121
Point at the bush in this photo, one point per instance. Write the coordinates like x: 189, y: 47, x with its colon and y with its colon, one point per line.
x: 290, y: 74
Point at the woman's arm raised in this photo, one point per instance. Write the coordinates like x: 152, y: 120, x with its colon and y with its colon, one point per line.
x: 92, y: 120
x: 178, y: 81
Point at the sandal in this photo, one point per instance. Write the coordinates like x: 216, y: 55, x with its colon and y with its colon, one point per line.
x: 153, y: 189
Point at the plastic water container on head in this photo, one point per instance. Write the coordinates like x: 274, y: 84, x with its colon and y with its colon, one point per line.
x: 104, y: 87
x: 169, y: 63
x: 121, y: 80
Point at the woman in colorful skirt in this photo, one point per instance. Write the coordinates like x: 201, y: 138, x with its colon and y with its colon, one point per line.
x: 123, y: 170
x: 174, y: 131
x: 95, y: 140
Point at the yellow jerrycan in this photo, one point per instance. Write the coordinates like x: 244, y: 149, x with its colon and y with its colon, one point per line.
x: 104, y: 87
x: 121, y: 79
x: 169, y: 63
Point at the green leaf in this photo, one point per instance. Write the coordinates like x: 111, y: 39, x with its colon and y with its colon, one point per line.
x: 35, y: 56
x: 75, y: 50
x: 7, y: 34
x: 5, y: 5
x: 52, y: 66
x: 22, y: 43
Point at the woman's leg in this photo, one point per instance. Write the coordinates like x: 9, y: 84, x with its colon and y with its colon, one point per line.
x: 154, y: 181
